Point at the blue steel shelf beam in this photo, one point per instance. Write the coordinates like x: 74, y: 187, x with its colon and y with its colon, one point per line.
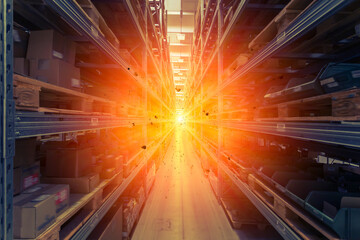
x: 341, y: 133
x: 30, y: 124
x: 90, y: 224
x: 75, y: 16
x: 7, y: 111
x: 307, y: 20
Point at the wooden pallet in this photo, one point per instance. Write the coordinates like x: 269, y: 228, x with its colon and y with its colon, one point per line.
x: 301, y: 221
x: 82, y: 207
x: 241, y: 212
x: 279, y: 23
x: 338, y: 106
x: 97, y: 19
x: 34, y: 95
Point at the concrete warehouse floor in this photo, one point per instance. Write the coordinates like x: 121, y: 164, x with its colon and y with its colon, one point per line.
x: 182, y: 204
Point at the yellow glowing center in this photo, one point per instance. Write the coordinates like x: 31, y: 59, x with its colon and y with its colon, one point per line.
x: 180, y: 119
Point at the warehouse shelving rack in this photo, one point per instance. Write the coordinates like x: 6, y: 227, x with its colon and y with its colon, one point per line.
x: 335, y: 133
x: 7, y: 120
x: 283, y: 228
x: 75, y: 16
x: 21, y: 124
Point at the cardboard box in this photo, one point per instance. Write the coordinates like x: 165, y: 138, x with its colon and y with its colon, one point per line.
x: 84, y: 184
x: 33, y: 214
x: 68, y: 162
x: 24, y: 152
x: 48, y: 44
x: 17, y: 181
x: 21, y: 66
x: 61, y: 192
x: 119, y: 178
x: 107, y: 173
x: 96, y: 201
x: 57, y: 72
x: 29, y: 175
x: 21, y: 39
x: 113, y: 161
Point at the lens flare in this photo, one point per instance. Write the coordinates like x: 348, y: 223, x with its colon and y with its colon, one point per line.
x: 180, y: 119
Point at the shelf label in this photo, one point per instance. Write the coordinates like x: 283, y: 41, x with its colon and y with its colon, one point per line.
x: 280, y: 127
x: 327, y: 81
x: 94, y: 121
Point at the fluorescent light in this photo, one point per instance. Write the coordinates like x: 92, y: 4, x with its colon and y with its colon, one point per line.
x: 180, y: 36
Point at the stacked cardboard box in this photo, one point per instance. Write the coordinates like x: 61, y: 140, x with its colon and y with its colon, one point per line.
x: 26, y: 169
x: 61, y: 192
x: 21, y: 64
x: 33, y: 213
x: 70, y: 164
x: 52, y: 59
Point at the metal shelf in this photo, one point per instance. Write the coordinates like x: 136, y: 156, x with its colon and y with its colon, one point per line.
x: 30, y: 124
x: 341, y: 133
x: 72, y: 13
x: 283, y: 228
x: 89, y: 226
x: 307, y: 20
x: 7, y: 147
x: 145, y: 38
x: 337, y: 133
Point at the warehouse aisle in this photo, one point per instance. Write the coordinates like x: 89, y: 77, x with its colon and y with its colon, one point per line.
x: 182, y: 204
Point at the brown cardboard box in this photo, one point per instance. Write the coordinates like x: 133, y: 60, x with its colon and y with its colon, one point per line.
x: 29, y: 175
x: 33, y: 214
x: 119, y: 178
x: 96, y: 201
x: 77, y: 185
x: 61, y: 192
x: 17, y: 181
x: 107, y: 173
x: 57, y: 72
x: 21, y: 39
x: 112, y: 161
x: 48, y: 44
x: 68, y: 162
x: 21, y: 66
x: 24, y: 151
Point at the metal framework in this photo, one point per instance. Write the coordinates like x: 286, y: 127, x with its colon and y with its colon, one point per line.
x: 19, y: 124
x: 74, y: 15
x: 7, y: 120
x: 345, y: 134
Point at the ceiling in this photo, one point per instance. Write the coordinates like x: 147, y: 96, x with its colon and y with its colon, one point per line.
x: 180, y: 27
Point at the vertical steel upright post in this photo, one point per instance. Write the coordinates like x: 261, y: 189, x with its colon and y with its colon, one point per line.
x: 220, y: 95
x: 145, y: 89
x: 202, y: 155
x: 161, y: 65
x: 7, y: 120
